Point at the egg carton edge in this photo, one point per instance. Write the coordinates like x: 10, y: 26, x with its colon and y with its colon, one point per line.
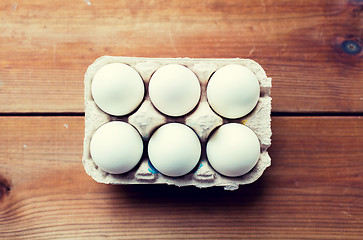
x: 134, y: 177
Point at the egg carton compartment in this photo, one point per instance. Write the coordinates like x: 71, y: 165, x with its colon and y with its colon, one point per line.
x: 203, y: 120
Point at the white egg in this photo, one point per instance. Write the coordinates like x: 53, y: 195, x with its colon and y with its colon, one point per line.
x: 116, y: 147
x: 233, y: 149
x: 233, y: 91
x: 174, y: 149
x: 117, y: 89
x: 174, y: 90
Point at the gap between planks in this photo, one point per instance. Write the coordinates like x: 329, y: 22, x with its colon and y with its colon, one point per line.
x: 273, y: 114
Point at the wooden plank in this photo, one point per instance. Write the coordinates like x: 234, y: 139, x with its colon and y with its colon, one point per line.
x: 46, y: 46
x: 313, y: 190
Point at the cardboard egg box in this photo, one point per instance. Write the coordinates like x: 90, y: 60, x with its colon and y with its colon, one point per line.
x: 203, y: 120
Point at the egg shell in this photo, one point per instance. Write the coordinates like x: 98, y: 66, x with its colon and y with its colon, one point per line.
x: 233, y: 149
x: 202, y: 119
x: 233, y: 91
x: 116, y: 147
x: 174, y: 90
x: 174, y: 149
x: 117, y: 89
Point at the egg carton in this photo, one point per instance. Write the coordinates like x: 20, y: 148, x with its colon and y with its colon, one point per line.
x: 203, y: 120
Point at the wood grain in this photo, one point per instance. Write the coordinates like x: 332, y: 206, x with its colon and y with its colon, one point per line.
x: 313, y: 190
x: 46, y: 46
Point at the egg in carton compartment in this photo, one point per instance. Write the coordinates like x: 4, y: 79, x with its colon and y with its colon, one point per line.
x: 202, y: 119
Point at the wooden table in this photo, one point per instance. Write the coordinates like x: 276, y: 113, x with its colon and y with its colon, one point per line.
x: 312, y: 50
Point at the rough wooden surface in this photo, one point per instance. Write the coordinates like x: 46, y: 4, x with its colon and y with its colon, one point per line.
x: 311, y: 49
x: 46, y: 46
x: 313, y: 190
